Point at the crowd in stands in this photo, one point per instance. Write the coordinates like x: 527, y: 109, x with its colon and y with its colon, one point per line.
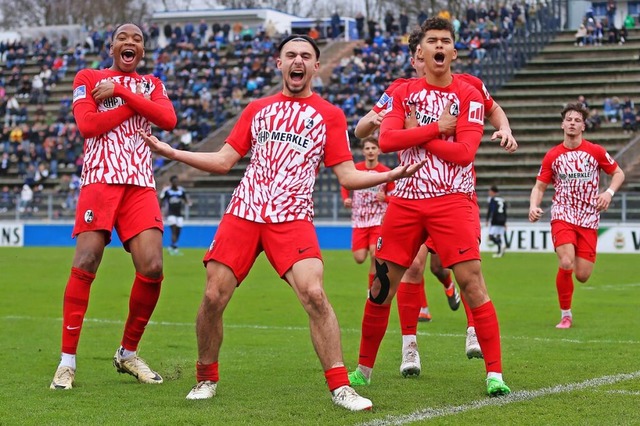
x: 210, y: 73
x: 212, y: 70
x: 596, y: 32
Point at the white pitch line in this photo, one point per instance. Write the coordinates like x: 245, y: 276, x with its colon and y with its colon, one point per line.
x: 609, y: 286
x: 519, y: 396
x: 343, y: 330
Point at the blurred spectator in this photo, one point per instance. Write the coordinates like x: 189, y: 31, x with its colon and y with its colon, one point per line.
x: 609, y: 111
x: 581, y: 36
x: 6, y: 199
x: 594, y: 121
x: 629, y: 22
x: 628, y: 120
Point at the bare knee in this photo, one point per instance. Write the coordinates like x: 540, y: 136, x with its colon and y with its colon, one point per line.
x: 87, y: 260
x: 566, y: 262
x: 152, y: 268
x: 314, y: 299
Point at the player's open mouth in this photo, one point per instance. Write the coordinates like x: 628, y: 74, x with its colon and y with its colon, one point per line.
x: 296, y: 76
x: 439, y: 58
x: 128, y: 55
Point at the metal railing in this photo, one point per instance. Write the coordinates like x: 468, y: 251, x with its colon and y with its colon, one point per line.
x: 209, y: 205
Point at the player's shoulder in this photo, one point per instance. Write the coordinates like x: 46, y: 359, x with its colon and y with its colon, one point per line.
x: 397, y: 83
x: 324, y: 107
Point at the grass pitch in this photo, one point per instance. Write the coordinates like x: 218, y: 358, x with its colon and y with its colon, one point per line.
x: 270, y: 375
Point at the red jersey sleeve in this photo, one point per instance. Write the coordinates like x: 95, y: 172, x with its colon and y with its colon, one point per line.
x: 241, y: 135
x: 92, y: 123
x: 393, y: 135
x: 337, y: 146
x: 469, y: 130
x: 545, y: 174
x: 158, y: 109
x: 385, y: 100
x: 479, y: 85
x: 605, y: 161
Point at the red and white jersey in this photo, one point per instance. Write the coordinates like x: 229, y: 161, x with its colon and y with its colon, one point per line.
x: 438, y: 177
x: 386, y: 100
x: 120, y: 155
x: 288, y: 138
x: 575, y: 175
x: 366, y: 210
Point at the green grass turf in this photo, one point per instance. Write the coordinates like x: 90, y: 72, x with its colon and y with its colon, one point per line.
x: 270, y: 374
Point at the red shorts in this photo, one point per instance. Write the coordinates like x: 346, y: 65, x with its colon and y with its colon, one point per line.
x: 130, y: 209
x: 238, y: 242
x: 452, y: 221
x: 363, y: 238
x: 585, y: 240
x: 431, y: 248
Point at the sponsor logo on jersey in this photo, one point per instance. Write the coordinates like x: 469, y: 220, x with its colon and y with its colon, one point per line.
x: 111, y: 103
x: 424, y: 119
x: 263, y: 137
x: 79, y: 92
x: 88, y: 216
x: 583, y: 176
x: 297, y: 142
x: 476, y: 112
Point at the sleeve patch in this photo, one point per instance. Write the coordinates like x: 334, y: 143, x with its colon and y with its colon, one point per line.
x: 79, y: 92
x: 384, y: 100
x: 476, y: 112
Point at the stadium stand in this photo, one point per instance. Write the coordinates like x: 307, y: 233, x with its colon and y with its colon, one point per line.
x: 532, y: 87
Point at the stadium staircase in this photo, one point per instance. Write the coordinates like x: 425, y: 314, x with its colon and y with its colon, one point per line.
x: 534, y: 98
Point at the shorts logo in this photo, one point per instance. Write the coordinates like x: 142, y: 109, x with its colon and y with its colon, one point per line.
x: 88, y: 216
x: 213, y: 243
x: 379, y: 243
x: 79, y: 92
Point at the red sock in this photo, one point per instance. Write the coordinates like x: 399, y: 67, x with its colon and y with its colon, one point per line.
x: 144, y: 297
x: 488, y: 332
x: 564, y: 285
x: 74, y: 307
x: 467, y: 312
x: 207, y: 372
x: 374, y: 325
x: 336, y: 377
x: 409, y: 307
x: 423, y: 295
x: 446, y: 281
x: 371, y: 278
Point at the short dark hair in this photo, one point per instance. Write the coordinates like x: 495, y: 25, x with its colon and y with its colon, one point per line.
x: 577, y: 107
x: 437, y: 23
x: 494, y: 188
x: 172, y: 178
x: 300, y: 37
x: 115, y: 30
x: 414, y: 40
x: 370, y: 139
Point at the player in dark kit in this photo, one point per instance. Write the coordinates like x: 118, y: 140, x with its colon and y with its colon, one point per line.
x: 175, y: 197
x: 497, y: 220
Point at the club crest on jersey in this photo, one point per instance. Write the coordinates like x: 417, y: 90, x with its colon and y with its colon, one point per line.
x: 476, y: 112
x: 88, y: 216
x: 308, y: 123
x: 263, y: 137
x: 454, y: 109
x: 79, y: 92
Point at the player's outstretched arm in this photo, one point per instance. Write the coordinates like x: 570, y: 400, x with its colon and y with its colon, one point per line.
x: 498, y: 119
x: 219, y: 162
x: 352, y: 178
x: 535, y: 212
x: 369, y: 123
